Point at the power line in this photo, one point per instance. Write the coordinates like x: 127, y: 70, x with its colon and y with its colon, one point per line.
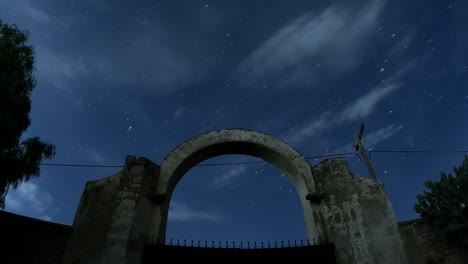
x: 259, y: 162
x: 331, y: 155
x: 81, y: 165
x: 421, y: 151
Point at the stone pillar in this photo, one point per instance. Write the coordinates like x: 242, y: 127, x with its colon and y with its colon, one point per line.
x: 92, y: 221
x: 354, y: 213
x: 132, y: 212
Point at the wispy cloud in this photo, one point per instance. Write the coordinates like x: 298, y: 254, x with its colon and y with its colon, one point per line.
x: 147, y: 56
x: 150, y: 63
x: 180, y: 111
x: 36, y: 14
x: 29, y: 199
x: 363, y: 106
x: 311, y: 128
x: 333, y: 39
x: 373, y: 138
x: 381, y: 134
x: 60, y: 70
x: 366, y: 104
x: 183, y: 213
x: 228, y: 178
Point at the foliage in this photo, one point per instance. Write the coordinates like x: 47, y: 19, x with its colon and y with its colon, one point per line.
x: 19, y: 157
x: 446, y: 201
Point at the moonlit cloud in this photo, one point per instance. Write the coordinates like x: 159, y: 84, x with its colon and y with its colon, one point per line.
x: 333, y: 39
x: 228, y: 177
x: 367, y: 103
x: 183, y: 213
x: 31, y: 199
x: 362, y: 107
x: 373, y: 138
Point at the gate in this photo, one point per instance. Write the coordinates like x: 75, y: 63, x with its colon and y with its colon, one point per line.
x: 320, y: 254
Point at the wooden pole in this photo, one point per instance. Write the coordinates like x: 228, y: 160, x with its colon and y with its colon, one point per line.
x: 361, y: 148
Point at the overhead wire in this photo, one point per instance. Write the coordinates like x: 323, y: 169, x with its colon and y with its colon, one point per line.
x: 259, y: 162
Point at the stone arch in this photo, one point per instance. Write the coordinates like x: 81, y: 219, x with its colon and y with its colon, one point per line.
x: 235, y: 141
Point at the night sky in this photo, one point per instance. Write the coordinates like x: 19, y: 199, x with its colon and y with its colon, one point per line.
x: 140, y: 77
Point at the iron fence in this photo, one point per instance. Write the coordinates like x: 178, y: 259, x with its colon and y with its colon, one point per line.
x: 190, y: 250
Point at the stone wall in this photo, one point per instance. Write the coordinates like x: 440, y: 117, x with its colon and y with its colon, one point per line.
x: 92, y: 220
x: 355, y: 214
x: 131, y: 224
x: 424, y: 245
x: 117, y: 215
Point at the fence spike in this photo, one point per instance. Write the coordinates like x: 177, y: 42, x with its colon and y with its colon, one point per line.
x: 178, y: 242
x: 248, y: 244
x: 219, y: 244
x: 295, y: 245
x: 302, y: 243
x: 233, y: 244
x: 269, y: 244
x: 185, y: 242
x: 255, y: 244
x: 276, y: 244
x: 314, y: 242
x: 212, y: 243
x: 227, y: 244
x: 308, y: 242
x: 191, y: 243
x: 241, y: 244
x: 289, y: 244
x: 262, y: 244
x: 282, y: 245
x: 206, y: 243
x: 171, y: 241
x: 198, y: 243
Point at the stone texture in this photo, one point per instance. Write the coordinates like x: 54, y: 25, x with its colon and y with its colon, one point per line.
x: 131, y: 224
x: 92, y: 221
x: 131, y: 207
x: 356, y: 215
x: 236, y: 141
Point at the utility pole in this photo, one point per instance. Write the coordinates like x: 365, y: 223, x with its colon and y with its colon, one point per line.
x: 360, y: 147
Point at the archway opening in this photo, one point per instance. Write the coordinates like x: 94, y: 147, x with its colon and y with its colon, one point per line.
x: 234, y: 141
x: 249, y: 201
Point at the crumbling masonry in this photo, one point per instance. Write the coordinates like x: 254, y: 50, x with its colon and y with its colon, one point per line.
x: 119, y: 214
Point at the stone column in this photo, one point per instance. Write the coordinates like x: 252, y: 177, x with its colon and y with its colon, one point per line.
x: 132, y: 214
x: 92, y: 221
x: 354, y: 213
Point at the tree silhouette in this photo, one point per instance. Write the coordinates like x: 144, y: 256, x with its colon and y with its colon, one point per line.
x: 446, y: 202
x: 19, y: 157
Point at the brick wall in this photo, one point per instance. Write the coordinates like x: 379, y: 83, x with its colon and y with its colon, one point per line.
x: 29, y: 240
x: 423, y: 244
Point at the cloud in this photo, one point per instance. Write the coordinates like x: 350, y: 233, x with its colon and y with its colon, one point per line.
x: 183, y: 213
x: 36, y: 14
x: 333, y: 39
x: 360, y: 108
x: 366, y: 104
x: 151, y: 63
x: 29, y: 199
x: 311, y: 128
x: 180, y: 111
x: 148, y: 55
x: 382, y: 134
x: 59, y: 69
x: 228, y: 178
x: 373, y: 139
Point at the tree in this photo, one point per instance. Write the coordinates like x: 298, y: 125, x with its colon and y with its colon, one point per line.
x: 446, y: 202
x: 19, y: 157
